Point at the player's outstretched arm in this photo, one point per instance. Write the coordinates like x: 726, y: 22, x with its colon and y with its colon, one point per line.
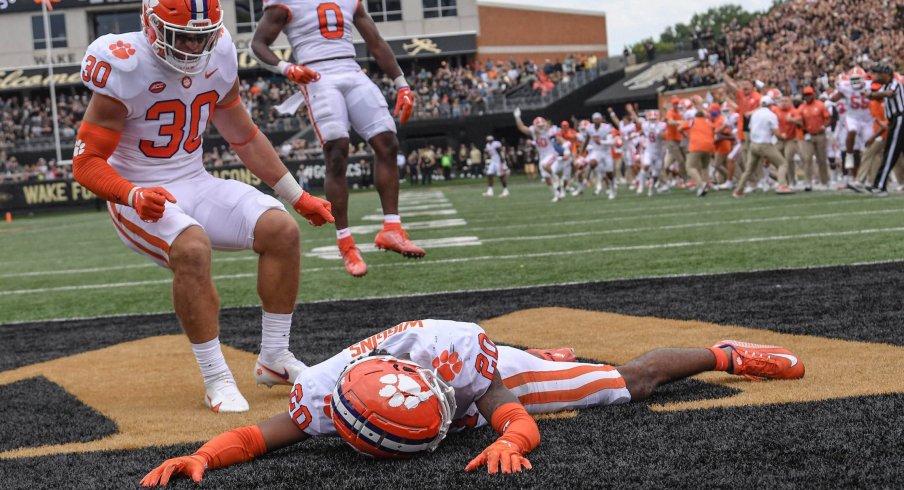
x: 519, y: 432
x: 520, y: 124
x: 387, y: 62
x: 232, y: 447
x: 257, y: 153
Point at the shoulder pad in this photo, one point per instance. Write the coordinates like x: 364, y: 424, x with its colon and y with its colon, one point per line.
x: 225, y: 58
x: 117, y: 55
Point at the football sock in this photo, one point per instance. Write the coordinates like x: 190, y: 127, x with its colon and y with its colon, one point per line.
x: 210, y: 359
x: 723, y: 363
x: 343, y: 233
x: 392, y: 218
x: 275, y: 329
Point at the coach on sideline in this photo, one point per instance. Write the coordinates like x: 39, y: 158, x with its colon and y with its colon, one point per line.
x: 893, y: 94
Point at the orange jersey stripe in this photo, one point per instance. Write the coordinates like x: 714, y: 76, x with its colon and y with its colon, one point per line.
x: 307, y: 103
x: 540, y: 376
x: 155, y: 241
x: 140, y: 246
x: 573, y: 394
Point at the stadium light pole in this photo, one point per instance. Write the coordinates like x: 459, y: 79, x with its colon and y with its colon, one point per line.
x: 45, y: 5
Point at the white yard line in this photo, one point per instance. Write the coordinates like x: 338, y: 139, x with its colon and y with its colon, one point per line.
x: 563, y: 253
x: 318, y: 251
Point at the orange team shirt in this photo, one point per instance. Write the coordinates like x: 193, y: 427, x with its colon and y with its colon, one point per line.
x: 815, y: 117
x: 671, y: 132
x: 877, y: 109
x: 747, y: 103
x: 571, y: 136
x: 701, y: 135
x: 787, y: 130
x: 723, y: 147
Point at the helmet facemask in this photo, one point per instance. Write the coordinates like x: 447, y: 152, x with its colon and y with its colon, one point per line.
x: 446, y: 396
x: 165, y: 36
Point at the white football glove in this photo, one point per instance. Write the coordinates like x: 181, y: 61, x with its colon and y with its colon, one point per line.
x: 517, y: 113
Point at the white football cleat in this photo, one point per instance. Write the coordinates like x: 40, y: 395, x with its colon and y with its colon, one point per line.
x: 281, y: 372
x: 505, y: 192
x: 488, y: 193
x: 223, y: 396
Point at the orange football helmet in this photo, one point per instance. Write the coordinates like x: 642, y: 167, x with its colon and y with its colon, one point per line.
x: 387, y: 407
x: 183, y: 33
x: 540, y: 123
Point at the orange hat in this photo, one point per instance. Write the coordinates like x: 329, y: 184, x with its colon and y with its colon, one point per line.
x: 675, y: 100
x: 809, y: 91
x: 715, y: 107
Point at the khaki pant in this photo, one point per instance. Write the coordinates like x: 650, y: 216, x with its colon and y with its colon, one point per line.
x: 759, y: 151
x: 719, y: 164
x: 815, y: 147
x: 789, y: 149
x: 674, y: 153
x: 698, y: 166
x: 870, y: 162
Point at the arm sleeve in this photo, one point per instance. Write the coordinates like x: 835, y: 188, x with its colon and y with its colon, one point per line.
x: 232, y: 447
x: 516, y: 426
x: 93, y: 147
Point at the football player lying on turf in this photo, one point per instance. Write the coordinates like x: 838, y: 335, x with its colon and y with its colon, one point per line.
x: 430, y: 375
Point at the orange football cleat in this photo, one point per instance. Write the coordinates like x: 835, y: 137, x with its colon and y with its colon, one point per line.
x: 758, y: 362
x: 396, y: 239
x: 351, y: 256
x: 564, y: 354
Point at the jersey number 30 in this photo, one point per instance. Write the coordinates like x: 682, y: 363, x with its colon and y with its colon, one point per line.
x: 332, y: 25
x: 175, y: 130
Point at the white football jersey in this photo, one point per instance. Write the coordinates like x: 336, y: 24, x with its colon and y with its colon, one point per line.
x: 318, y: 30
x: 167, y: 112
x: 493, y: 149
x: 857, y: 104
x: 421, y: 341
x: 600, y: 137
x: 543, y: 140
x: 652, y: 132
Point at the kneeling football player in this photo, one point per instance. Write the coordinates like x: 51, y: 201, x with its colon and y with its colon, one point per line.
x: 397, y: 394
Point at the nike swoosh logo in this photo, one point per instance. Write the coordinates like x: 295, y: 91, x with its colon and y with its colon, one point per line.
x: 209, y: 73
x: 786, y: 356
x: 284, y: 375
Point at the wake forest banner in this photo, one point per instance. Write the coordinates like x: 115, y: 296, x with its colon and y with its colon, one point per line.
x: 68, y: 74
x: 36, y: 195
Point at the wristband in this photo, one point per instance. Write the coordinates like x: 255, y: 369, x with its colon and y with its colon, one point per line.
x: 400, y: 81
x: 132, y: 195
x: 287, y: 188
x: 283, y: 66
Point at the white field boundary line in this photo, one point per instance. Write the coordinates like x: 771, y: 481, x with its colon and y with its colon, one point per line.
x: 482, y: 290
x: 424, y: 263
x: 313, y: 253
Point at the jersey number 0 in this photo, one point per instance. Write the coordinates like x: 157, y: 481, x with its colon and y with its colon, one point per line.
x: 332, y: 25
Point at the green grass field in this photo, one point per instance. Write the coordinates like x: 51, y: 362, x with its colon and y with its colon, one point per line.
x: 65, y: 265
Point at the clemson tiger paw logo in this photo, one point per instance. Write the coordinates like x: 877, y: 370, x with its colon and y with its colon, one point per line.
x: 79, y: 148
x: 447, y: 365
x: 403, y: 390
x: 122, y: 50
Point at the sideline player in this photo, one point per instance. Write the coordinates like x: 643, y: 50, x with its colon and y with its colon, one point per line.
x: 337, y: 92
x: 435, y: 374
x: 543, y: 137
x: 858, y: 120
x: 598, y: 143
x: 139, y: 148
x: 496, y: 166
x: 653, y: 131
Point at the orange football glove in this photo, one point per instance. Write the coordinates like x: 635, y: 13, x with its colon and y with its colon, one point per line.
x: 501, y: 453
x: 190, y: 466
x: 299, y: 73
x: 404, y: 104
x: 149, y: 202
x: 317, y: 211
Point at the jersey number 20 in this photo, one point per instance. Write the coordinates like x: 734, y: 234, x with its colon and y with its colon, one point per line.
x: 175, y: 130
x: 330, y: 28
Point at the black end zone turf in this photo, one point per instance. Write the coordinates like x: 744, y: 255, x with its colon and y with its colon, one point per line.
x: 37, y: 412
x: 856, y: 442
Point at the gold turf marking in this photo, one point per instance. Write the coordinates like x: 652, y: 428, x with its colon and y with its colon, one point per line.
x: 835, y: 368
x: 152, y: 390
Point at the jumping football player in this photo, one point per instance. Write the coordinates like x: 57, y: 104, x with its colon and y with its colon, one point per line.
x: 543, y: 137
x: 139, y: 148
x: 338, y: 94
x: 397, y: 393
